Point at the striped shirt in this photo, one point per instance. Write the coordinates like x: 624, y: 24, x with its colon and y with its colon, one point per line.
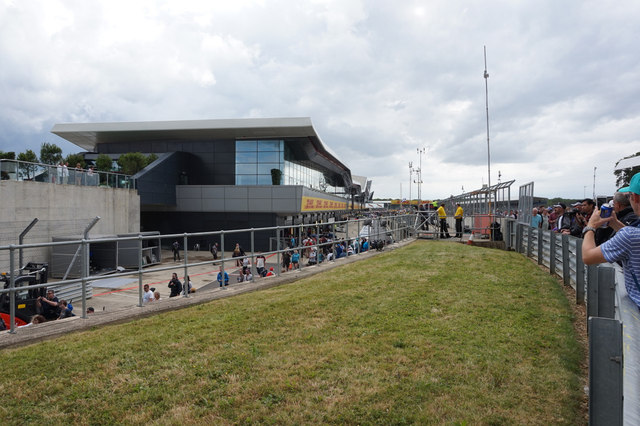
x: 625, y: 248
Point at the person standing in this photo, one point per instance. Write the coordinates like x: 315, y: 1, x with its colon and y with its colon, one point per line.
x: 214, y: 251
x: 176, y: 250
x: 458, y: 217
x: 175, y: 285
x: 442, y: 215
x: 536, y: 219
x: 623, y: 247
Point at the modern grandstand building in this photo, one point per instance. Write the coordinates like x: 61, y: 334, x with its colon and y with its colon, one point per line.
x: 227, y: 174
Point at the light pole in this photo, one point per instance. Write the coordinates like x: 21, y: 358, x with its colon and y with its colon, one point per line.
x: 486, y: 90
x: 410, y: 177
x: 420, y: 151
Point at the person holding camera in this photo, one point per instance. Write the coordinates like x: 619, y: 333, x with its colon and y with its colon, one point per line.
x: 48, y: 306
x: 623, y: 247
x: 175, y: 285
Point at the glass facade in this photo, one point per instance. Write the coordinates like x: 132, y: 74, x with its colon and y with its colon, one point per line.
x: 256, y: 158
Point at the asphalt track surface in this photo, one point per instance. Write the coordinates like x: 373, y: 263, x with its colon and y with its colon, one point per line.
x: 121, y: 305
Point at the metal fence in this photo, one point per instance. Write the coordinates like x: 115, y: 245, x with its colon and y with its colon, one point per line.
x: 57, y: 174
x: 350, y: 232
x: 614, y: 356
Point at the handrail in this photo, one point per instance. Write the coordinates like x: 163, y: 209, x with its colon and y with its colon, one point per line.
x: 16, y: 170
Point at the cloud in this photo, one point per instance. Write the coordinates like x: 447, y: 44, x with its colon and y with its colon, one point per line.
x: 378, y: 79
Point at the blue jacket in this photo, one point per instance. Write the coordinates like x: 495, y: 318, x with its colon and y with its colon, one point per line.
x: 226, y: 278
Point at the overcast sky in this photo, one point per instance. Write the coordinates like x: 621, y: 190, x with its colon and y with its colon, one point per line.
x: 379, y: 80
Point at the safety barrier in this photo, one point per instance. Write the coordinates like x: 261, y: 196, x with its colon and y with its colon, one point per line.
x: 396, y: 228
x: 614, y: 356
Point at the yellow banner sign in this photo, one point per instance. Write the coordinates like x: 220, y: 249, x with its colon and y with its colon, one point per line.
x: 320, y: 204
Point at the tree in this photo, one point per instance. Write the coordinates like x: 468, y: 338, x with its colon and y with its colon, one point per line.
x: 27, y: 171
x: 7, y: 155
x: 104, y: 163
x: 132, y: 162
x: 151, y: 158
x: 50, y: 153
x: 623, y: 176
x: 74, y: 159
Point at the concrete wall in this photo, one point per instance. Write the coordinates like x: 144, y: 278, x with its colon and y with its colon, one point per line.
x: 61, y: 210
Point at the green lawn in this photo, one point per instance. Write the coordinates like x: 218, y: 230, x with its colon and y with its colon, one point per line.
x: 432, y: 333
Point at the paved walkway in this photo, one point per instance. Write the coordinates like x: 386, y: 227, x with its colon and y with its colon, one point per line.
x: 120, y: 305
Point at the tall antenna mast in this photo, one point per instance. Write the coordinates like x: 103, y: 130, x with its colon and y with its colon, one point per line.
x: 486, y: 89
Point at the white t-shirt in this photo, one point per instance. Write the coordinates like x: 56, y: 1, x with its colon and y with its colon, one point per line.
x: 147, y: 297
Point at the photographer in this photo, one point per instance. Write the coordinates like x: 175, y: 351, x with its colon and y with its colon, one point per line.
x: 623, y: 247
x: 48, y: 306
x: 175, y: 285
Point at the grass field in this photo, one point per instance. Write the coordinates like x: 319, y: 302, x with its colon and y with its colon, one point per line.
x: 431, y: 333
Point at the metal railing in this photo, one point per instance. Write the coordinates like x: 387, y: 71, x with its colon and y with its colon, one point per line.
x: 614, y: 356
x: 397, y: 228
x: 38, y: 172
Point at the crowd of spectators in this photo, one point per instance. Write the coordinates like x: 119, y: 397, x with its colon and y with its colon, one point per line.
x: 572, y: 219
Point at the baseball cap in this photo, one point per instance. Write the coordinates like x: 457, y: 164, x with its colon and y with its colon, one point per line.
x: 634, y: 185
x: 563, y: 205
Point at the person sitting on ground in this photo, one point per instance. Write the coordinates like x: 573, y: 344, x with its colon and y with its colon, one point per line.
x: 147, y: 295
x: 65, y: 312
x: 222, y: 277
x: 156, y: 295
x: 248, y: 276
x: 271, y: 272
x: 175, y: 285
x: 260, y: 265
x: 313, y: 257
x: 90, y: 310
x: 38, y: 319
x: 48, y: 306
x: 189, y: 285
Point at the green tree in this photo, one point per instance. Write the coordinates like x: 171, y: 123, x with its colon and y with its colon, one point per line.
x: 132, y: 162
x: 50, y: 153
x: 623, y: 176
x: 27, y: 171
x: 7, y: 155
x: 74, y: 159
x: 104, y: 163
x: 151, y: 158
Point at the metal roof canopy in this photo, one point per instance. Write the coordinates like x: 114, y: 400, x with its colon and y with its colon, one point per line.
x: 89, y: 135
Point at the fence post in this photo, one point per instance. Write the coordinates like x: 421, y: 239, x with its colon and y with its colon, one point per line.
x: 253, y: 254
x: 139, y: 270
x: 579, y: 273
x: 552, y: 253
x: 519, y: 238
x: 606, y: 291
x: 566, y: 262
x: 12, y: 286
x: 592, y: 291
x: 605, y: 372
x: 540, y: 246
x: 529, y: 241
x: 185, y: 287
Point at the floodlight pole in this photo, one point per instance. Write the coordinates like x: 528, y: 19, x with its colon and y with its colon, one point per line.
x: 420, y: 151
x: 486, y: 89
x: 410, y: 177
